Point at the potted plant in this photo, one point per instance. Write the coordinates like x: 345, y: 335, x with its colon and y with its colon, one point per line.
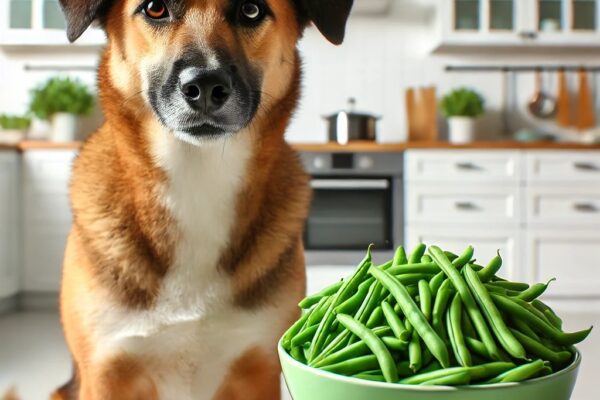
x: 62, y: 101
x: 13, y: 127
x: 462, y: 107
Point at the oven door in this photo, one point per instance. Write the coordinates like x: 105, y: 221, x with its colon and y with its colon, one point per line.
x: 350, y: 214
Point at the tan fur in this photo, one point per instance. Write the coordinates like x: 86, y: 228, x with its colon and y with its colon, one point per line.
x: 122, y: 243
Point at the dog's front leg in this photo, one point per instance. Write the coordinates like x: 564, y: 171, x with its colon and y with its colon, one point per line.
x: 120, y: 378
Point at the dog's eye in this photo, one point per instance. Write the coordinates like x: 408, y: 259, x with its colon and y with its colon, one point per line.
x: 251, y: 12
x: 156, y: 9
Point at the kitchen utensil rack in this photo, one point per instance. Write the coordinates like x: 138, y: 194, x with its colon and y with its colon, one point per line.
x: 522, y: 68
x: 59, y: 68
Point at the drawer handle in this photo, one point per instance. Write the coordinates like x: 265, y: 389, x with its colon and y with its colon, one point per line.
x: 465, y: 206
x: 585, y: 207
x: 586, y: 166
x: 467, y: 166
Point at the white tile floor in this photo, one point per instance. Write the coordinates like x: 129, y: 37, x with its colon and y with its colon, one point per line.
x: 33, y: 355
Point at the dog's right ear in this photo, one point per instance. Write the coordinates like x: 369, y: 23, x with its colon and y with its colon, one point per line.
x: 81, y: 13
x: 330, y: 17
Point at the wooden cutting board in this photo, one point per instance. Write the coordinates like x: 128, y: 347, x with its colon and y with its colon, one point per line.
x: 421, y: 111
x: 586, y: 118
x: 563, y: 102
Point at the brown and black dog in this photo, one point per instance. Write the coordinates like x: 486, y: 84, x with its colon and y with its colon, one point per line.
x: 185, y: 260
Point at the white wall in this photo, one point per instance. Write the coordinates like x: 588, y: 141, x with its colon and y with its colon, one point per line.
x: 381, y: 57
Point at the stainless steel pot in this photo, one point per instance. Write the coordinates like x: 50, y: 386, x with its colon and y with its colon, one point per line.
x: 345, y: 126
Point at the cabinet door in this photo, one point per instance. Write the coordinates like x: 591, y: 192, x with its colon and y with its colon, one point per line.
x: 9, y: 224
x: 486, y: 242
x: 46, y: 218
x: 570, y: 256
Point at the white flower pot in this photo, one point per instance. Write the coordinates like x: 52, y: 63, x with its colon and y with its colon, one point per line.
x: 461, y: 129
x: 64, y: 127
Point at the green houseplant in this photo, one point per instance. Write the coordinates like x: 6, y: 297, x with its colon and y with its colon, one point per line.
x: 13, y: 127
x: 62, y: 101
x: 462, y: 107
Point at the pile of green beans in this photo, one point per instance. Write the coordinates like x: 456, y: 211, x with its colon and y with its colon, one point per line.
x: 431, y: 317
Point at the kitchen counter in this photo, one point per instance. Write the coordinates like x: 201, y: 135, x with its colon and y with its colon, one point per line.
x: 359, y: 146
x: 483, y: 145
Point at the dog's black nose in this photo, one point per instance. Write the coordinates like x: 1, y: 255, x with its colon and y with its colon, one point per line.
x: 203, y: 89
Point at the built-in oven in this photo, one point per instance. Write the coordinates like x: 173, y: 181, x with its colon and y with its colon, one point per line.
x: 357, y: 200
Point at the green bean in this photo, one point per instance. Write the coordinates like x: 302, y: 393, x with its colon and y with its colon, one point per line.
x: 486, y: 274
x: 314, y: 299
x: 420, y: 268
x: 537, y: 349
x: 534, y: 291
x: 523, y: 327
x: 467, y: 300
x: 440, y: 305
x: 404, y: 369
x: 477, y: 347
x: 430, y: 367
x: 519, y: 373
x: 496, y: 289
x: 457, y: 379
x: 320, y: 310
x: 516, y: 286
x: 414, y: 315
x: 354, y: 302
x: 305, y: 336
x: 451, y: 256
x: 414, y: 352
x: 453, y: 321
x: 395, y: 343
x: 345, y: 291
x: 493, y: 316
x: 417, y: 253
x: 512, y: 308
x: 354, y: 350
x: 395, y: 322
x: 426, y: 259
x: 353, y: 365
x: 436, y: 282
x: 375, y: 318
x: 400, y: 257
x: 425, y: 298
x: 297, y: 354
x: 293, y: 331
x: 370, y: 377
x: 463, y: 259
x: 476, y: 372
x: 467, y: 325
x: 546, y: 311
x: 376, y: 345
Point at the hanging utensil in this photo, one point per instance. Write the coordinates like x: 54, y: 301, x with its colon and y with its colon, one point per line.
x: 541, y: 105
x: 563, y: 112
x: 585, y: 105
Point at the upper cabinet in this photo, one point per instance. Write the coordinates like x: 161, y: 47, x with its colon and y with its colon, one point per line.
x: 38, y: 23
x: 519, y: 23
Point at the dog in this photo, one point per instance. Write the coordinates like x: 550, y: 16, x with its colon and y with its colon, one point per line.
x: 185, y: 262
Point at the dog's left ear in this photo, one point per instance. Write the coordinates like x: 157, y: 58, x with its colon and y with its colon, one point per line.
x: 330, y: 17
x: 81, y: 13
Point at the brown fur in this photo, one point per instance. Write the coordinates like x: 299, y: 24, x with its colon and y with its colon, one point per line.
x: 123, y: 239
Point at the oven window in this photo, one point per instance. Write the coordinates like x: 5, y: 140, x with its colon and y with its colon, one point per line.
x: 344, y: 217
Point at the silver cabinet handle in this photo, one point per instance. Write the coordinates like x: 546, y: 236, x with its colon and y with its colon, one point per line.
x: 465, y: 205
x: 340, y: 184
x: 585, y: 207
x: 467, y: 166
x: 586, y: 166
x: 528, y: 35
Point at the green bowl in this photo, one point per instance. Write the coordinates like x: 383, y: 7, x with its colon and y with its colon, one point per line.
x: 307, y: 383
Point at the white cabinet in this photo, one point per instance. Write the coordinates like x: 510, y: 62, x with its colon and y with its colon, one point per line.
x: 46, y: 217
x: 519, y: 23
x: 38, y: 23
x: 9, y: 223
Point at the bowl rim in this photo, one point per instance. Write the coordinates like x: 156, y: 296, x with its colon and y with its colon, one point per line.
x: 385, y: 385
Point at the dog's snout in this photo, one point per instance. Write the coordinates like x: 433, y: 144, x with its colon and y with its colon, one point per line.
x: 203, y: 89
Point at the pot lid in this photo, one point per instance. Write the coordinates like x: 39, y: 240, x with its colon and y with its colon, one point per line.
x: 351, y: 111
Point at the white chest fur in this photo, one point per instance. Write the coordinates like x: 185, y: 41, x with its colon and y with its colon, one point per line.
x: 192, y: 334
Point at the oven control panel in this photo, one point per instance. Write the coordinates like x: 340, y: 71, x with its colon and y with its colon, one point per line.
x: 353, y: 163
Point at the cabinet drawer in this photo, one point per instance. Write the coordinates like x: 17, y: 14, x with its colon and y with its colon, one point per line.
x: 463, y: 165
x: 47, y: 169
x: 563, y: 205
x: 563, y: 166
x: 568, y: 255
x: 463, y: 204
x: 485, y: 241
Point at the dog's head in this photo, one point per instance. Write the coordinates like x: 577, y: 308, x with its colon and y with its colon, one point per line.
x: 205, y: 67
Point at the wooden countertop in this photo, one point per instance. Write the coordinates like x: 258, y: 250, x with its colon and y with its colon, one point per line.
x: 395, y: 147
x: 357, y: 146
